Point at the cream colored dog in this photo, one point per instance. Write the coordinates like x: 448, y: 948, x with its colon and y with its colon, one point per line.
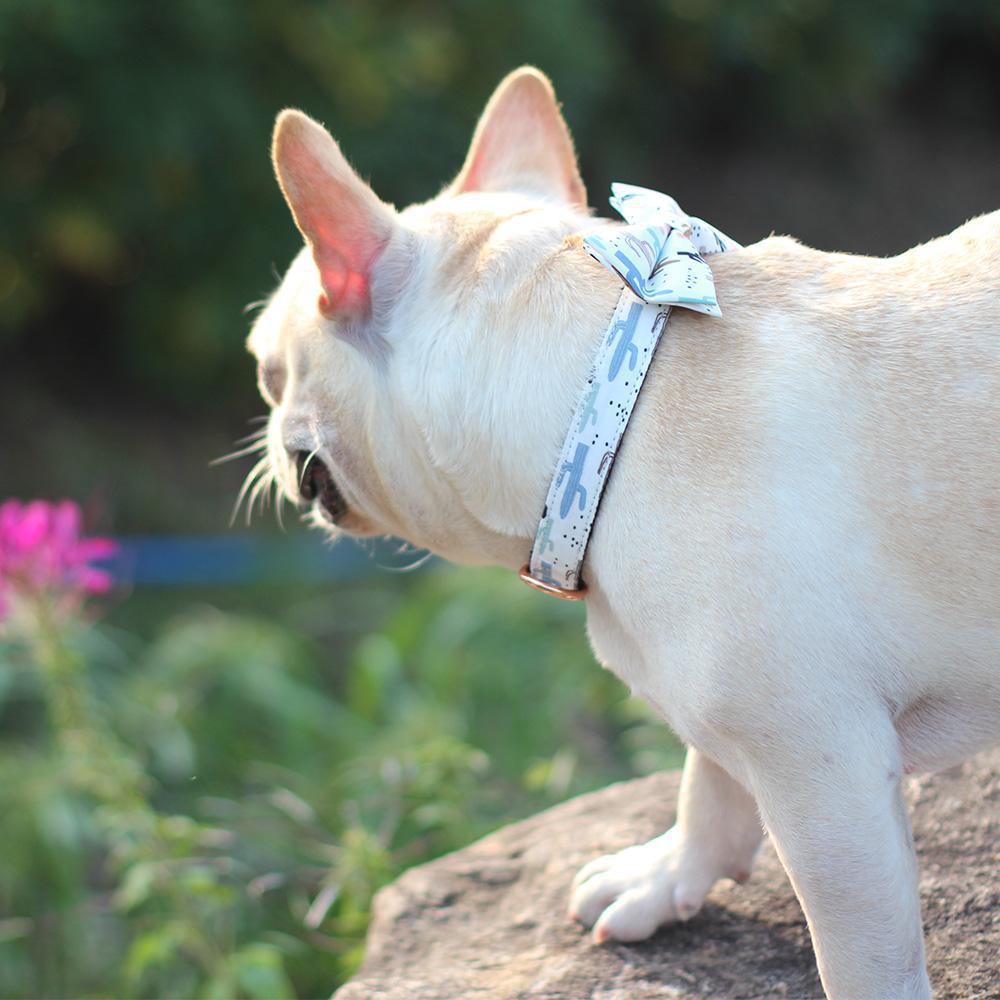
x: 797, y: 560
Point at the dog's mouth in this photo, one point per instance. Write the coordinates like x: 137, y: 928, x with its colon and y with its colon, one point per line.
x: 317, y: 486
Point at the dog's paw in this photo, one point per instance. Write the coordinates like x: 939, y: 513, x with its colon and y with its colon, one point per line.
x: 628, y: 895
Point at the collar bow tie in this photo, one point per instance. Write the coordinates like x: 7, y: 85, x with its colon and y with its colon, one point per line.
x: 660, y: 251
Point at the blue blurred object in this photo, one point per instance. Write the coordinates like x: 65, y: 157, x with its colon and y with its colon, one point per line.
x: 171, y: 561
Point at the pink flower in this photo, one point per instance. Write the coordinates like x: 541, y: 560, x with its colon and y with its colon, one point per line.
x: 42, y: 551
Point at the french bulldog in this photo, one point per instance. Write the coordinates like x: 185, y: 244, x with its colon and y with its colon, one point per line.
x: 797, y: 557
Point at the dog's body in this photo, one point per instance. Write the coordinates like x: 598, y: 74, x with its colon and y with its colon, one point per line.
x: 797, y: 560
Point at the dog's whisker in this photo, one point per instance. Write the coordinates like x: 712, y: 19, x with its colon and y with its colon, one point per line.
x: 253, y: 436
x: 252, y: 500
x: 253, y: 476
x: 248, y: 485
x: 239, y: 453
x: 279, y: 502
x: 410, y: 567
x: 258, y: 494
x: 305, y: 464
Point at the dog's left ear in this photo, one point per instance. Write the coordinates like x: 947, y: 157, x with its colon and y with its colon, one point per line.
x: 344, y: 223
x: 522, y: 143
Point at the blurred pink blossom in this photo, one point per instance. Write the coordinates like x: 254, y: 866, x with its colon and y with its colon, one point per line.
x: 42, y: 551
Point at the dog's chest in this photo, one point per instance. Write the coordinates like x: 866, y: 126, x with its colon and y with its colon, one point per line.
x: 658, y: 682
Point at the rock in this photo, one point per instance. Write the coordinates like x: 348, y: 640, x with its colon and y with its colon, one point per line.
x: 489, y: 921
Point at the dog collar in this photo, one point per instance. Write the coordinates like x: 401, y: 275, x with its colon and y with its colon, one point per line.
x: 660, y: 257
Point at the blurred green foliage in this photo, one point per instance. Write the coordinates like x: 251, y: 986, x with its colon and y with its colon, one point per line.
x: 207, y: 811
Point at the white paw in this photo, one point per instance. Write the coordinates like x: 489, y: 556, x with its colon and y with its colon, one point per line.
x: 628, y: 895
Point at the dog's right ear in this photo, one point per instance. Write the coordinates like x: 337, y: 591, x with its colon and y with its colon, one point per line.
x: 522, y: 143
x: 345, y: 225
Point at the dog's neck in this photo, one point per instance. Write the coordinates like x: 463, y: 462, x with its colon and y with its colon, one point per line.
x: 504, y: 385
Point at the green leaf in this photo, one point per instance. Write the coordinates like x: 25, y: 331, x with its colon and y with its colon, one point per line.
x: 155, y: 947
x: 136, y: 885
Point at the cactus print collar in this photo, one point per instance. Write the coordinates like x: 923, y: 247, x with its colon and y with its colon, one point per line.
x: 659, y: 254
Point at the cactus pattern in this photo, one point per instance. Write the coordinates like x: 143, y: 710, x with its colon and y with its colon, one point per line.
x: 543, y: 540
x: 625, y: 346
x: 572, y: 473
x: 588, y: 412
x: 631, y: 274
x: 641, y: 246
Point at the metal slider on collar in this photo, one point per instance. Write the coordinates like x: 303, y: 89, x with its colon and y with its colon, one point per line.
x: 551, y: 589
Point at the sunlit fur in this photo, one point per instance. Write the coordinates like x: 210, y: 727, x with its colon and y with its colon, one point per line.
x: 797, y: 560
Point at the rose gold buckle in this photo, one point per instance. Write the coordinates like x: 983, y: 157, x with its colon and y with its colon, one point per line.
x: 550, y: 588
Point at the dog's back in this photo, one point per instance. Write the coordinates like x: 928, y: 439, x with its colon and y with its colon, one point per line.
x: 909, y: 348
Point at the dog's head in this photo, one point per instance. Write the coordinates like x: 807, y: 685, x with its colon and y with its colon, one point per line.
x: 401, y: 355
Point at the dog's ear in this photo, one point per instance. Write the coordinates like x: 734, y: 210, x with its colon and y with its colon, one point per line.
x: 345, y: 225
x: 522, y: 143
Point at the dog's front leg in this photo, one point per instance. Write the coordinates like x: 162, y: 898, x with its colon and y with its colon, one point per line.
x: 832, y: 803
x: 626, y: 896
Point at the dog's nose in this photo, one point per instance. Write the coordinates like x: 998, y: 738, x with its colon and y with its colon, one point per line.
x: 316, y: 482
x: 306, y: 471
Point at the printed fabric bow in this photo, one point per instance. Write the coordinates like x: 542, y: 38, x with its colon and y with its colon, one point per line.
x: 659, y: 253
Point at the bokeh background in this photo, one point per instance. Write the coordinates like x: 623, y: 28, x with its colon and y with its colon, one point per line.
x: 320, y: 722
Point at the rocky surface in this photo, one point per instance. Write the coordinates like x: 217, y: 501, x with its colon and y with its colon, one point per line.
x: 489, y: 921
